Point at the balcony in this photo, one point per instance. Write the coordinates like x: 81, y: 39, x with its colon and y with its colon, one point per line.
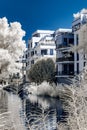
x: 65, y: 59
x: 64, y: 46
x: 65, y: 74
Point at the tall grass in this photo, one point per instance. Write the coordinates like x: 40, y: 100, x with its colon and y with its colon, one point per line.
x: 75, y: 104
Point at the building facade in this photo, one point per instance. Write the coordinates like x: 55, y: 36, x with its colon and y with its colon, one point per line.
x: 79, y: 55
x: 64, y: 40
x: 40, y: 46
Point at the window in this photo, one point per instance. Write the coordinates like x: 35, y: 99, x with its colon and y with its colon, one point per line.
x: 36, y: 44
x: 32, y: 53
x: 77, y: 56
x: 84, y: 64
x: 51, y: 51
x: 77, y: 68
x: 71, y: 40
x: 65, y: 41
x: 44, y: 52
x: 53, y: 35
x: 31, y: 44
x: 28, y: 46
x: 77, y: 39
x: 36, y: 35
x: 26, y: 56
x: 32, y: 62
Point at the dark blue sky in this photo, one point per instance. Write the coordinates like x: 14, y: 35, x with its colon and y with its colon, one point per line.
x: 41, y: 14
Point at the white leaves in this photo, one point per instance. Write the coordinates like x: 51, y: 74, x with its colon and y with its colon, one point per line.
x: 77, y: 15
x: 76, y: 100
x: 11, y: 44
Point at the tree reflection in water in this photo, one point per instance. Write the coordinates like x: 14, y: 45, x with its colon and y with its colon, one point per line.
x: 37, y: 113
x: 42, y: 113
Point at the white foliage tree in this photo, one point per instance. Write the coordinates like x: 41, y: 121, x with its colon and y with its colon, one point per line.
x: 78, y: 14
x: 12, y: 46
x: 75, y: 97
x: 77, y: 93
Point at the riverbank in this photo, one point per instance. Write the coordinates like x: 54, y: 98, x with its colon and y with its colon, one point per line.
x: 45, y: 89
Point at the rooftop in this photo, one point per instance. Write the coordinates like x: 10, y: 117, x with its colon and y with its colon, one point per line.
x: 43, y: 32
x: 63, y: 30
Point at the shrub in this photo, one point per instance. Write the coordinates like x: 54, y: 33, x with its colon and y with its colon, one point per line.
x: 43, y: 70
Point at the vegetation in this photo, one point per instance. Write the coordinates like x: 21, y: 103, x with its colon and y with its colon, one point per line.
x: 11, y: 48
x: 43, y: 70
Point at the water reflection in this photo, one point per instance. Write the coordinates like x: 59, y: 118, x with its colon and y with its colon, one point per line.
x: 42, y: 113
x: 30, y: 113
x: 3, y: 102
x: 10, y: 107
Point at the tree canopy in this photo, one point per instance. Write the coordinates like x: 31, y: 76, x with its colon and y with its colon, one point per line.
x: 42, y: 70
x: 12, y: 46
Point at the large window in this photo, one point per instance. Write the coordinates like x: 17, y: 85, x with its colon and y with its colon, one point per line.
x: 71, y: 40
x: 51, y: 51
x: 44, y: 52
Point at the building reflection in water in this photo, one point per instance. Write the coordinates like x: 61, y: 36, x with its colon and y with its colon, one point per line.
x: 42, y: 113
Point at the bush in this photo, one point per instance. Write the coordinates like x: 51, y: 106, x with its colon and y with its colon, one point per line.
x: 43, y: 70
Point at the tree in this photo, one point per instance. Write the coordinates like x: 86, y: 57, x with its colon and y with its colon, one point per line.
x: 11, y: 47
x: 42, y: 70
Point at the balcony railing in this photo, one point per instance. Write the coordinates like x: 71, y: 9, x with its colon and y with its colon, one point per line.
x: 64, y: 59
x: 65, y: 73
x: 63, y: 46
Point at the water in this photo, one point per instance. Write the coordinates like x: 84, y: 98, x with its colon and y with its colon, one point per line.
x: 10, y: 108
x: 29, y: 113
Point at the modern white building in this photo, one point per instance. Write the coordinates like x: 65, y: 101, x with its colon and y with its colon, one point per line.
x: 79, y: 56
x: 41, y: 45
x: 64, y: 59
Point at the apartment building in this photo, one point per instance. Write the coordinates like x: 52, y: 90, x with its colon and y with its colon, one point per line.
x: 40, y: 46
x: 79, y: 21
x: 64, y: 40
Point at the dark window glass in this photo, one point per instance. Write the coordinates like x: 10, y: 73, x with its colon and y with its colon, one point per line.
x: 65, y: 41
x: 32, y: 53
x: 51, y: 51
x: 84, y: 64
x: 71, y: 40
x: 77, y: 68
x: 31, y: 44
x: 77, y: 39
x: 26, y: 56
x: 44, y: 52
x: 77, y: 56
x: 36, y: 35
x: 36, y: 44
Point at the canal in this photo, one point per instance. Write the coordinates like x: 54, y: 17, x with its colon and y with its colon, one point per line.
x: 29, y: 112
